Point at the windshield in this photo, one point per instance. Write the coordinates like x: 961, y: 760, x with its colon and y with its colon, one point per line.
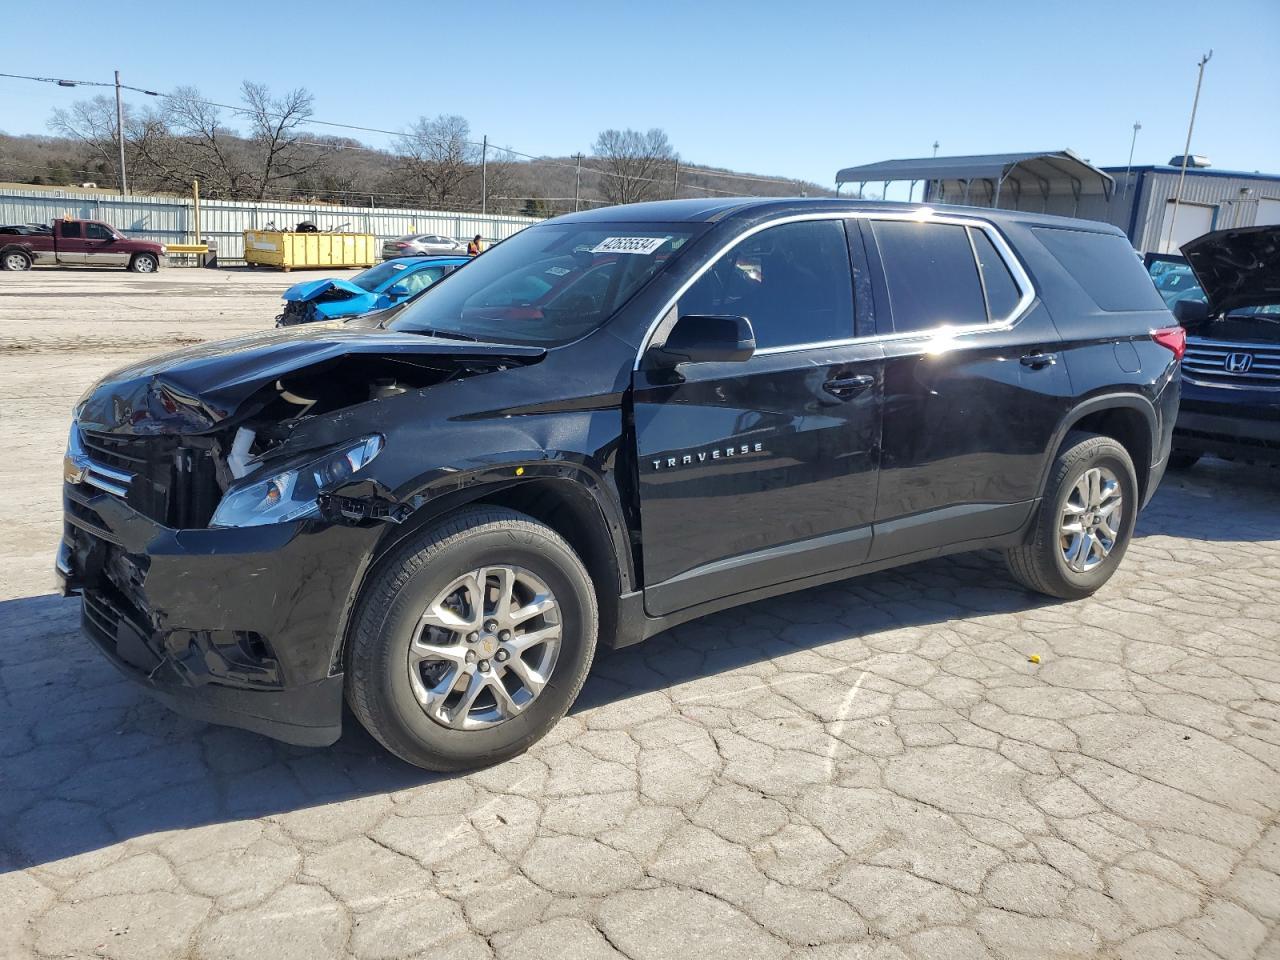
x: 375, y: 277
x: 1175, y: 281
x: 547, y: 285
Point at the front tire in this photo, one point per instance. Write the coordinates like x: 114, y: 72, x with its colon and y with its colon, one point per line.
x: 472, y: 640
x: 1084, y: 522
x: 144, y: 263
x: 15, y: 260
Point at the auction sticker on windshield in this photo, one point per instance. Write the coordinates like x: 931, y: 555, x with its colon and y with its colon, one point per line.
x: 640, y: 245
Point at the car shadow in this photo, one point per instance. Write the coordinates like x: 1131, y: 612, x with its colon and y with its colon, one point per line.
x: 1216, y: 500
x: 87, y: 760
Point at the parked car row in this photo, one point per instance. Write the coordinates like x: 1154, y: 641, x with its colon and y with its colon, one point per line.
x: 94, y: 243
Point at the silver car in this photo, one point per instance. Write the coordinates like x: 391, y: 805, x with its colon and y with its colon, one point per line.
x: 421, y: 244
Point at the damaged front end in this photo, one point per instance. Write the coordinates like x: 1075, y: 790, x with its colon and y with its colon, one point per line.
x: 218, y: 548
x: 315, y: 300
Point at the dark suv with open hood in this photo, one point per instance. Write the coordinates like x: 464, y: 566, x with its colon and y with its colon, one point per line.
x: 614, y: 422
x: 1227, y: 293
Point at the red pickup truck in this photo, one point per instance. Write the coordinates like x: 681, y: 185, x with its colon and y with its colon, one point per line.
x: 76, y: 242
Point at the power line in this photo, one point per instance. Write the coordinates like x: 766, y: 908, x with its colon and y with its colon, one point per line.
x: 400, y: 134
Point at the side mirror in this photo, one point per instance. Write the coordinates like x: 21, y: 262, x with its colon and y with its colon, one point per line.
x: 397, y: 291
x: 705, y: 339
x: 1190, y: 312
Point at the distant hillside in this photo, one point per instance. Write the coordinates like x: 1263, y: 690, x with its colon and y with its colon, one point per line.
x: 344, y: 171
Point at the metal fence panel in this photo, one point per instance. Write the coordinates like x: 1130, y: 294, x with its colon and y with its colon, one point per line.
x: 172, y: 219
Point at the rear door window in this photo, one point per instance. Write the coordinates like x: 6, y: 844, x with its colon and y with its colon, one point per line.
x: 791, y: 281
x: 931, y: 275
x: 71, y: 230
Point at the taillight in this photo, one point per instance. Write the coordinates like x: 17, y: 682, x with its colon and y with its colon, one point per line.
x: 402, y: 246
x: 1172, y: 338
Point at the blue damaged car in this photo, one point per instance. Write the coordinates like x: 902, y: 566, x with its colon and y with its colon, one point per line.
x: 389, y: 283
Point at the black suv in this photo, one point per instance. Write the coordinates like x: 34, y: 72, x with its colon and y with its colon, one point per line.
x: 614, y: 422
x: 1226, y: 291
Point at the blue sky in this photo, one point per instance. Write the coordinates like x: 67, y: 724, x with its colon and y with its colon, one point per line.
x: 797, y: 89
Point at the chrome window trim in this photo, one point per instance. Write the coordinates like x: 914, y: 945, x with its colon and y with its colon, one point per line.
x: 922, y: 215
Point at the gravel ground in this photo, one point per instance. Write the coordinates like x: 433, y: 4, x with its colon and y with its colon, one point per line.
x: 870, y: 769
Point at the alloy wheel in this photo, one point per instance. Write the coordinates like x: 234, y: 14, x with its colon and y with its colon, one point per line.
x: 485, y: 647
x: 1091, y: 519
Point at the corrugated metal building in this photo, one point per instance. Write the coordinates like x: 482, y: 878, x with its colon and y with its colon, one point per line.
x: 1138, y: 201
x: 1142, y: 204
x: 172, y: 219
x: 1047, y: 181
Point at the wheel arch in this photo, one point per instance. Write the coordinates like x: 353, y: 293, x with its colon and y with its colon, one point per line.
x: 565, y: 502
x: 22, y: 248
x: 1128, y: 418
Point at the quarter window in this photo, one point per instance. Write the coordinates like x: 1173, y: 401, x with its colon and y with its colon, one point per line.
x: 791, y: 281
x: 931, y: 275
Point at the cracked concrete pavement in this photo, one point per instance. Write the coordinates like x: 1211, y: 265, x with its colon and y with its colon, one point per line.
x: 873, y: 769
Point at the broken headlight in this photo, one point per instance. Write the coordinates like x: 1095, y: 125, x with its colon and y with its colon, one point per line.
x: 291, y: 494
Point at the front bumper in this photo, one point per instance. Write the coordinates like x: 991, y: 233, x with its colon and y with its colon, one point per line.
x: 1231, y: 423
x: 241, y: 627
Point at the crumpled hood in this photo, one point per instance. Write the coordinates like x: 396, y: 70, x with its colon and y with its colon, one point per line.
x: 193, y: 390
x: 310, y: 289
x: 1237, y: 268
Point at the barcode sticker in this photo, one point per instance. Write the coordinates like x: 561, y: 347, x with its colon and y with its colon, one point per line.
x: 641, y: 245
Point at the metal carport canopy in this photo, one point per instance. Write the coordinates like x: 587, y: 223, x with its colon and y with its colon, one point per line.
x: 1035, y: 172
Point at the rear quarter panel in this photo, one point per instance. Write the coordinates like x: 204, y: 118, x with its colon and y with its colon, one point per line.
x: 1106, y: 347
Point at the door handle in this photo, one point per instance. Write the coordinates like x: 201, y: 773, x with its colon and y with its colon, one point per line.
x: 1039, y: 360
x: 846, y: 388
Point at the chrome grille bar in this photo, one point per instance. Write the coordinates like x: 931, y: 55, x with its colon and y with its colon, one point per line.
x: 1210, y: 360
x: 106, y: 478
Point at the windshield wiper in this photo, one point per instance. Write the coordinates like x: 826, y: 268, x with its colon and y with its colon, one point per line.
x: 446, y: 335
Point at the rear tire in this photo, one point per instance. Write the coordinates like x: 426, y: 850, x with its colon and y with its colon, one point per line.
x: 144, y: 263
x: 15, y: 260
x: 1091, y: 482
x: 398, y: 698
x: 1181, y: 460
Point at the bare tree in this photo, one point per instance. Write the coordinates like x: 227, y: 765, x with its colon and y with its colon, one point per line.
x: 274, y: 134
x: 201, y: 146
x: 634, y: 166
x: 437, y: 157
x: 92, y: 123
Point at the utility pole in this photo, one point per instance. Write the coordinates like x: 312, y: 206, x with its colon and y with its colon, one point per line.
x: 577, y: 182
x: 124, y: 179
x: 484, y: 176
x: 195, y: 204
x: 675, y: 181
x: 1128, y: 166
x: 935, y: 148
x: 1186, y: 150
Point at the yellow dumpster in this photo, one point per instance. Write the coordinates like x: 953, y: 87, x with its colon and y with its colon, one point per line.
x: 288, y: 251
